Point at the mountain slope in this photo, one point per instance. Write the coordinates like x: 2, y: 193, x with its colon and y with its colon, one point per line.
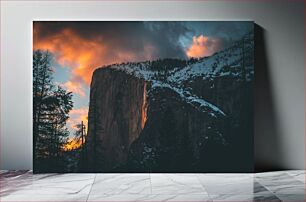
x: 184, y: 116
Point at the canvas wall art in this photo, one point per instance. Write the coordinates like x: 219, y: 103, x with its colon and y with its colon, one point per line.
x: 143, y: 96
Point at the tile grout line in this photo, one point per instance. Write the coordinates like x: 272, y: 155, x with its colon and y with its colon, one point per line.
x: 150, y: 183
x: 294, y: 176
x: 91, y: 187
x: 209, y: 197
x: 271, y: 192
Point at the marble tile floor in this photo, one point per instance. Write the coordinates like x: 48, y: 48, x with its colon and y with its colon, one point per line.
x: 280, y: 186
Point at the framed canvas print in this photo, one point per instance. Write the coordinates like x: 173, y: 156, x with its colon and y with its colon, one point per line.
x: 143, y: 96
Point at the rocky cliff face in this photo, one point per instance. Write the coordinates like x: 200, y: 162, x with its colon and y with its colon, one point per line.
x: 174, y: 116
x: 117, y: 114
x: 175, y: 136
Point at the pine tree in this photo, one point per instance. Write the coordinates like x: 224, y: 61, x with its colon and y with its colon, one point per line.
x: 51, y: 107
x: 80, y: 133
x: 42, y: 77
x: 79, y: 136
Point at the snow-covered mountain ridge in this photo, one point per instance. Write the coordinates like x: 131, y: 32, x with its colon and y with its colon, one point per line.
x: 234, y: 61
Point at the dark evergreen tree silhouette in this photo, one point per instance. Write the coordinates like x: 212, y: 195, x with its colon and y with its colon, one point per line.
x: 51, y: 107
x: 42, y: 77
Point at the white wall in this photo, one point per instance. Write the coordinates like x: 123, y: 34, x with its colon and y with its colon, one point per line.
x: 280, y: 110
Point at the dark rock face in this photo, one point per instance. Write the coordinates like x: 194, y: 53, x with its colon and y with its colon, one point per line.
x: 174, y: 136
x: 116, y: 116
x: 178, y: 137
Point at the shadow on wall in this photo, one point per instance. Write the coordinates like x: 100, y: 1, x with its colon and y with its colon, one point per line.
x: 266, y: 134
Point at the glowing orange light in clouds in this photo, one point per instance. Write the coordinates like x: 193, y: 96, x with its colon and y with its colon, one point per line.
x: 75, y: 87
x: 82, y: 55
x: 74, y: 52
x: 73, y: 144
x: 76, y: 117
x: 203, y: 46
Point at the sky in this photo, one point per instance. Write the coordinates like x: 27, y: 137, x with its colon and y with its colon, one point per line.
x: 80, y: 47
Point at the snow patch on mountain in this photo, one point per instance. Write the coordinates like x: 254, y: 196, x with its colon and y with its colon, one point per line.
x: 189, y: 98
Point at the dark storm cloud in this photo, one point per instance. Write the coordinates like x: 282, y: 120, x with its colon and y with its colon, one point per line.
x: 162, y: 37
x: 84, y: 46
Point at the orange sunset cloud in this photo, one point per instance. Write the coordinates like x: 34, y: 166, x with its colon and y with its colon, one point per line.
x: 203, y: 46
x: 75, y: 87
x: 77, y: 116
x: 73, y: 144
x: 80, y: 55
